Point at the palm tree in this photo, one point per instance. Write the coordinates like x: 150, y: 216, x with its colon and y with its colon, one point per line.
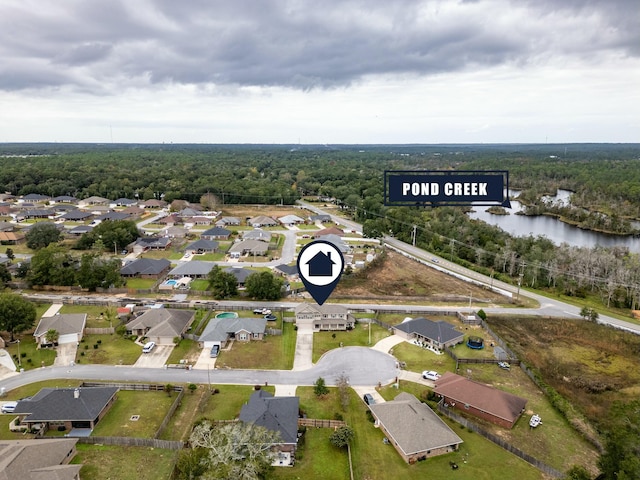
x: 52, y: 336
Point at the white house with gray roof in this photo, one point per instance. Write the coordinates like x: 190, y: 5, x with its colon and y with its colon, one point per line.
x: 432, y: 334
x: 414, y: 430
x: 192, y: 269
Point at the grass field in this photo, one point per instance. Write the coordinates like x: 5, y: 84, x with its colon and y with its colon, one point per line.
x: 150, y: 406
x: 101, y: 462
x: 359, y: 336
x: 113, y: 350
x: 226, y: 404
x: 26, y: 354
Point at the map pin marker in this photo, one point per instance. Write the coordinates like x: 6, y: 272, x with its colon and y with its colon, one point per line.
x: 320, y: 264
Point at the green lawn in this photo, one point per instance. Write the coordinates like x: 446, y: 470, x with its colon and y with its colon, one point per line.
x: 140, y: 283
x: 272, y: 353
x: 374, y: 459
x: 359, y: 336
x: 419, y: 359
x: 113, y: 350
x: 151, y: 406
x: 187, y: 349
x: 101, y: 462
x: 95, y: 314
x: 30, y: 356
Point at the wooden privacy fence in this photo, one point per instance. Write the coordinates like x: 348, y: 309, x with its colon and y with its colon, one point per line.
x: 320, y: 423
x: 133, y: 442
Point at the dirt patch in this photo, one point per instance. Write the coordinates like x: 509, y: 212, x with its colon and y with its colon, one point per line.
x: 399, y: 277
x: 273, y: 211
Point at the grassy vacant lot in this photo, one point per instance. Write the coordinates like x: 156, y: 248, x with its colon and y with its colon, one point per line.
x: 590, y: 364
x: 113, y: 350
x: 372, y: 459
x: 419, y: 359
x: 273, y: 353
x: 101, y: 462
x: 151, y: 406
x: 359, y: 336
x: 186, y: 350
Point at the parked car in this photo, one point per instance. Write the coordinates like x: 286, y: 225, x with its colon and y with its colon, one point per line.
x: 504, y: 365
x: 261, y: 311
x: 148, y: 347
x: 215, y: 350
x: 430, y: 375
x: 368, y: 399
x: 9, y: 407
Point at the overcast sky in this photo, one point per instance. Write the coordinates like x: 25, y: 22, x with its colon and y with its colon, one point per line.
x: 320, y: 71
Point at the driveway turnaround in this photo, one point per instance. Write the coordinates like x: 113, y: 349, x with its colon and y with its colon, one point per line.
x: 156, y: 358
x: 363, y: 366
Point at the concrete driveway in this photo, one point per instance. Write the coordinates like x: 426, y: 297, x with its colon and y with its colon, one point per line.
x: 304, y: 349
x: 65, y: 354
x: 388, y: 343
x: 156, y: 358
x: 205, y: 362
x: 361, y: 390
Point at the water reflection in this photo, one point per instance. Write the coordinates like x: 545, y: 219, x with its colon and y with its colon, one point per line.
x: 555, y: 230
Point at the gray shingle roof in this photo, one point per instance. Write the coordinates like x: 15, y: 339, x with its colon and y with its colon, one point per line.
x: 278, y: 414
x: 162, y: 322
x: 37, y: 459
x: 64, y: 324
x: 441, y: 332
x: 193, y: 268
x: 218, y: 329
x: 145, y: 266
x: 59, y: 404
x: 216, y: 232
x: 413, y: 425
x: 202, y: 245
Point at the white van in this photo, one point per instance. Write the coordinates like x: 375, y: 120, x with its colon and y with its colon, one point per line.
x: 148, y: 347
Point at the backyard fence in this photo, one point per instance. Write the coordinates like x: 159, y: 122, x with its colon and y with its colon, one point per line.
x: 172, y: 410
x: 153, y: 387
x: 133, y: 442
x: 320, y: 423
x: 99, y: 331
x: 543, y: 467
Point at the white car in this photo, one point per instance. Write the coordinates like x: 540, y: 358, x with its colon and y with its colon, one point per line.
x: 9, y: 407
x: 430, y: 375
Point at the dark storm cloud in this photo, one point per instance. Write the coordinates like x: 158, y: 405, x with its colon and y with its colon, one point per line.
x: 100, y: 45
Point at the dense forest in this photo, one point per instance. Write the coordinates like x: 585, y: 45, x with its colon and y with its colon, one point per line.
x: 605, y: 180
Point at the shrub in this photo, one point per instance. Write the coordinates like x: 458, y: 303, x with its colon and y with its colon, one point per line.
x: 98, y: 342
x: 28, y: 360
x: 23, y: 354
x: 95, y: 346
x: 86, y: 347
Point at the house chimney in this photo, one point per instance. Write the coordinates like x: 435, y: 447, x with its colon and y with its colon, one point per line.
x: 76, y: 393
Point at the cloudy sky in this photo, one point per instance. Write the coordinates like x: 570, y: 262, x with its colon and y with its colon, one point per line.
x: 320, y: 71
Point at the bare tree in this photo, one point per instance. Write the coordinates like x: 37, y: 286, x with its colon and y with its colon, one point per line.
x: 343, y: 390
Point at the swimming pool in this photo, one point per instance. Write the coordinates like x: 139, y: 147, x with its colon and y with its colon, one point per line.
x: 172, y: 282
x: 227, y: 315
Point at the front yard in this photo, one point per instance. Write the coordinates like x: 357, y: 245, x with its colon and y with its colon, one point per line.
x: 108, y: 350
x: 358, y: 337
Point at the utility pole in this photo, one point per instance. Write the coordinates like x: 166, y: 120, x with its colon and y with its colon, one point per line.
x: 413, y: 235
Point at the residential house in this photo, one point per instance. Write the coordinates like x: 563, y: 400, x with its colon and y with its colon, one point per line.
x: 324, y: 317
x: 436, y: 335
x: 202, y: 246
x: 154, y: 204
x: 113, y: 216
x: 322, y: 218
x: 11, y: 238
x: 93, y: 201
x: 480, y: 400
x: 241, y: 274
x: 290, y: 220
x: 34, y: 198
x: 328, y: 231
x: 70, y: 328
x: 142, y: 244
x: 290, y: 272
x: 171, y: 220
x: 67, y: 408
x: 76, y: 216
x: 39, y: 459
x: 63, y: 199
x: 216, y: 233
x: 80, y: 230
x: 174, y: 232
x: 161, y: 325
x: 189, y: 212
x: 123, y: 202
x: 336, y: 241
x: 220, y: 330
x: 35, y: 213
x: 200, y: 220
x: 262, y: 221
x: 5, y: 209
x: 248, y: 247
x: 277, y: 414
x: 257, y: 234
x: 228, y: 222
x: 146, y: 268
x: 415, y: 431
x: 192, y: 269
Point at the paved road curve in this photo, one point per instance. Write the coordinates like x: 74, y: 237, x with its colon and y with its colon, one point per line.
x: 362, y: 365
